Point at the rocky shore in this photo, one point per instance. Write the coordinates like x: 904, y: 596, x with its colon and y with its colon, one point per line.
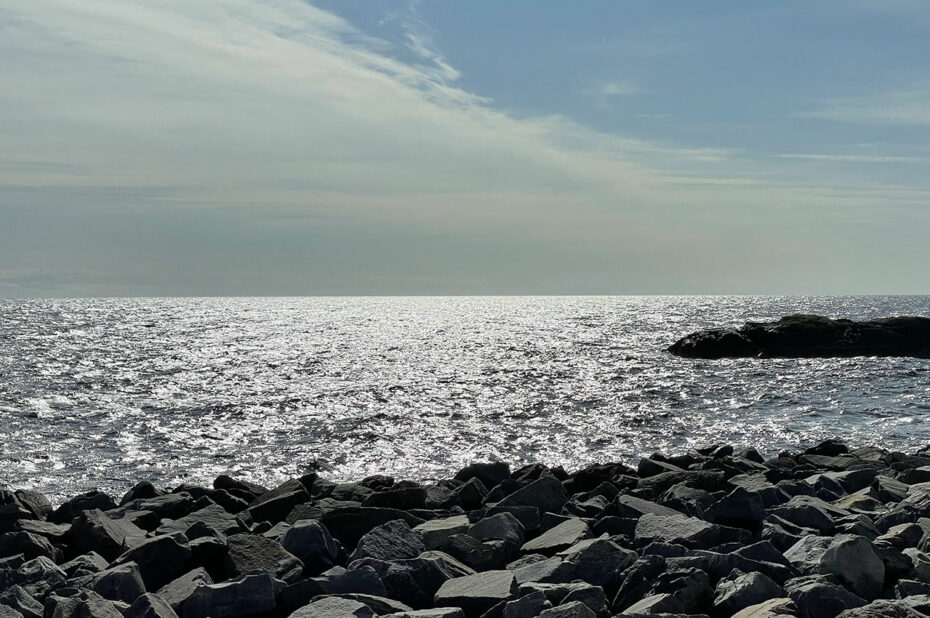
x: 824, y: 532
x: 811, y: 336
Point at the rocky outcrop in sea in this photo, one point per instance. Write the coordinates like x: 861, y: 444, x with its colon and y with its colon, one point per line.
x: 716, y: 532
x: 811, y: 336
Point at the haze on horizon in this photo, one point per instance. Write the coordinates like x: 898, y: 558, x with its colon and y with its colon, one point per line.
x: 283, y: 147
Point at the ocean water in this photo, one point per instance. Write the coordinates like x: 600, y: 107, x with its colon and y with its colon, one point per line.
x: 105, y: 392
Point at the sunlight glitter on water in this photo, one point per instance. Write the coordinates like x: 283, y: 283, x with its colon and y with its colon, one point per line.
x: 111, y: 391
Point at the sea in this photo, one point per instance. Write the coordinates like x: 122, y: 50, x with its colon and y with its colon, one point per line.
x: 102, y: 393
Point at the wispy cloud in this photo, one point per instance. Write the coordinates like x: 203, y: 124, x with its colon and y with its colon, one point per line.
x: 851, y: 158
x: 899, y: 107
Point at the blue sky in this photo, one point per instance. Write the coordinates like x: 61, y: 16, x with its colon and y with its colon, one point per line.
x: 361, y: 147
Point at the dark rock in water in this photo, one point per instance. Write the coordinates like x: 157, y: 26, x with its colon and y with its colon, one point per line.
x: 811, y: 336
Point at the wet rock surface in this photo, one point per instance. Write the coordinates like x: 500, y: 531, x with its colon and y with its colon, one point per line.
x: 811, y: 336
x: 715, y: 532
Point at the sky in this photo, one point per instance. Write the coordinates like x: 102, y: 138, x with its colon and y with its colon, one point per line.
x: 284, y: 147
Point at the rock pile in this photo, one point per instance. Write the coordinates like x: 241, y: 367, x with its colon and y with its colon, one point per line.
x: 824, y: 532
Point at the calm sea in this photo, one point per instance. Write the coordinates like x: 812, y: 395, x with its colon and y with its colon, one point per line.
x: 102, y: 393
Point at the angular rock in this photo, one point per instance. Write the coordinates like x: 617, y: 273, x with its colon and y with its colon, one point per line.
x: 816, y: 598
x: 499, y: 527
x: 855, y: 562
x: 355, y: 580
x: 679, y: 529
x: 436, y: 532
x: 599, y: 562
x: 349, y: 523
x: 248, y: 553
x: 334, y: 607
x: 312, y: 544
x: 119, y: 583
x: 558, y: 538
x: 29, y: 545
x: 18, y: 599
x: 475, y: 594
x: 150, y: 606
x: 160, y: 559
x: 768, y: 609
x: 176, y: 593
x: 393, y: 540
x: 244, y: 596
x: 573, y: 609
x: 213, y: 515
x: 742, y: 590
x: 656, y: 604
x: 546, y: 494
x: 93, y: 530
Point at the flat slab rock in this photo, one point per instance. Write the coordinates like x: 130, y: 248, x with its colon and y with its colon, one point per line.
x: 811, y: 336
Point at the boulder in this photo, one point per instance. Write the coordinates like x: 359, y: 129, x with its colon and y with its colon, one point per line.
x: 573, y: 609
x: 499, y: 527
x: 768, y: 609
x: 545, y: 493
x: 680, y: 529
x: 311, y: 543
x: 118, y: 583
x: 150, y: 606
x: 358, y: 579
x: 854, y: 561
x: 93, y: 530
x: 558, y: 538
x: 334, y: 607
x: 160, y: 559
x: 741, y: 590
x: 436, y: 612
x: 348, y: 524
x: 249, y: 552
x: 656, y: 604
x: 393, y: 540
x: 18, y: 599
x: 436, y: 532
x: 599, y: 562
x: 176, y: 592
x: 29, y: 545
x: 475, y: 594
x: 820, y: 598
x: 244, y: 596
x: 883, y: 609
x: 213, y: 515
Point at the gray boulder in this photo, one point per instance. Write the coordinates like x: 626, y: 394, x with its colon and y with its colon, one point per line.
x: 250, y: 552
x: 18, y: 599
x: 436, y: 532
x: 854, y: 561
x: 499, y: 527
x: 119, y: 583
x: 599, y: 562
x: 545, y: 493
x: 150, y: 606
x: 311, y: 543
x: 679, y: 529
x: 93, y: 530
x: 160, y: 559
x: 560, y: 537
x: 250, y: 594
x: 574, y: 609
x: 334, y: 607
x: 176, y: 592
x: 741, y: 590
x: 393, y: 540
x: 475, y: 594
